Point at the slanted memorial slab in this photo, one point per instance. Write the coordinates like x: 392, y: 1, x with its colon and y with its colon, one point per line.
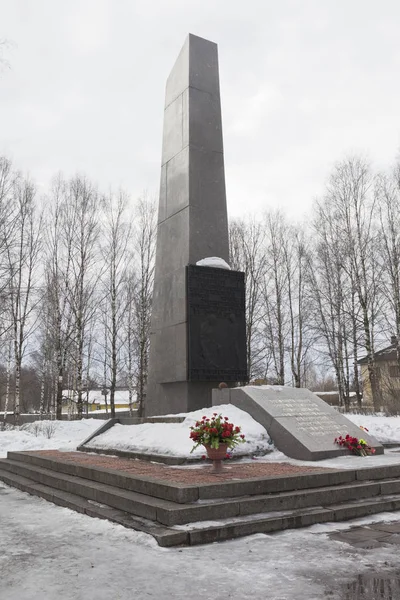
x: 300, y: 424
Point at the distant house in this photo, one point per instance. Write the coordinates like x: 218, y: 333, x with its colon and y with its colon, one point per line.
x: 96, y: 401
x: 387, y: 374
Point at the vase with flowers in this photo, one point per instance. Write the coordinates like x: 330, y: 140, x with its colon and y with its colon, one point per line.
x: 217, y: 435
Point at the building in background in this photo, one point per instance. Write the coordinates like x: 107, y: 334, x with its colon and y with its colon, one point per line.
x: 388, y: 377
x: 97, y: 401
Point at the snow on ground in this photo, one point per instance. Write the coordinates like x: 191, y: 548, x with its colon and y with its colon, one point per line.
x: 51, y: 553
x: 350, y: 461
x: 384, y: 429
x: 173, y: 438
x: 47, y: 435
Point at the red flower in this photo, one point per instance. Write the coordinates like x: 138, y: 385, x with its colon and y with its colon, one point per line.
x: 226, y: 418
x: 203, y: 456
x: 242, y: 436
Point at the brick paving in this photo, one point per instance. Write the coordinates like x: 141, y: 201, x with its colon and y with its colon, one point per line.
x: 192, y: 476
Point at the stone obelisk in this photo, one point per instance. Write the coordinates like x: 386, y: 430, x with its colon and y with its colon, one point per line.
x: 192, y: 221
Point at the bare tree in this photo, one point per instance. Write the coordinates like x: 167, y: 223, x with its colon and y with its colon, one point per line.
x: 346, y: 273
x: 388, y: 198
x: 275, y: 292
x: 57, y: 319
x: 22, y: 254
x: 296, y: 256
x: 349, y: 189
x: 143, y: 259
x: 116, y: 236
x: 247, y: 254
x: 81, y: 232
x: 328, y: 281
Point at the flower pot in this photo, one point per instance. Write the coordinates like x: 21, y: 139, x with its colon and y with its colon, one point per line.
x: 216, y: 455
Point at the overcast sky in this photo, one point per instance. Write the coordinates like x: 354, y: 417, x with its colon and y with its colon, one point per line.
x: 303, y: 83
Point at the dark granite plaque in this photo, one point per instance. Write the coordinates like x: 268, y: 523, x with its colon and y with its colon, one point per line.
x: 216, y: 324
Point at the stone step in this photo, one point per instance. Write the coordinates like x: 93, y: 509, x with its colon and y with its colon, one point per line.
x: 186, y: 493
x: 165, y: 536
x: 154, y: 509
x: 201, y: 533
x: 269, y: 523
x: 142, y: 484
x: 171, y: 513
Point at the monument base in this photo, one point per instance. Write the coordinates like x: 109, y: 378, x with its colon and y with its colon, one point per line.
x: 178, y: 397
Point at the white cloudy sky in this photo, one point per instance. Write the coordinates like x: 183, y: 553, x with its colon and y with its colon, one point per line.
x: 303, y: 83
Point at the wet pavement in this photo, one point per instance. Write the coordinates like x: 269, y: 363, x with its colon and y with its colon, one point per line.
x: 373, y: 586
x: 377, y: 535
x: 51, y: 553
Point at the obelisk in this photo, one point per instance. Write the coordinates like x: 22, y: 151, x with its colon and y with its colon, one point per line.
x: 192, y: 222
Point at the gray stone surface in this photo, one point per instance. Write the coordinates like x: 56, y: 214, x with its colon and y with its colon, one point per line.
x: 300, y: 424
x: 192, y: 220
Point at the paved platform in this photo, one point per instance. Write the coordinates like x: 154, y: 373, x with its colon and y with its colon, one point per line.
x: 192, y: 505
x: 196, y: 474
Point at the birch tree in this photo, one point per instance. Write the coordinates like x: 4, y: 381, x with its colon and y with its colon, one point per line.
x: 145, y: 231
x: 350, y: 190
x: 247, y: 255
x: 388, y: 198
x: 22, y: 254
x: 275, y: 293
x: 116, y: 237
x: 81, y: 230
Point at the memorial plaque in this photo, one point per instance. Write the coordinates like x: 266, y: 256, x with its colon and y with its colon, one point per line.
x: 300, y: 424
x: 216, y: 325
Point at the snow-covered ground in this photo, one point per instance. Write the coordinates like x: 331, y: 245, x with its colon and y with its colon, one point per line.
x: 173, y: 438
x: 384, y: 429
x: 51, y: 553
x: 43, y: 435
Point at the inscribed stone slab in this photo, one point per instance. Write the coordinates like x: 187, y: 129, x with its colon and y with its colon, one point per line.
x: 300, y: 424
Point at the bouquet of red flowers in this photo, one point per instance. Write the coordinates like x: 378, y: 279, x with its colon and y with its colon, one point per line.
x: 355, y: 445
x: 215, y: 431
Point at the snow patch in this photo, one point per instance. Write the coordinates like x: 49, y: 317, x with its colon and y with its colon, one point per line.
x: 172, y: 439
x: 65, y: 435
x: 213, y: 261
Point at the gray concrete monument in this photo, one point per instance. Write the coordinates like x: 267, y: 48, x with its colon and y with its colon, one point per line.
x: 300, y: 424
x: 193, y: 225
